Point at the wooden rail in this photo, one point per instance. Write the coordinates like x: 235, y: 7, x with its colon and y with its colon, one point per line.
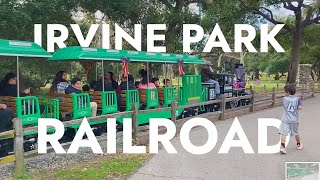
x: 258, y: 101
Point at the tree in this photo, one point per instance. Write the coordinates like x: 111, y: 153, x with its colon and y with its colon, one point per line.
x: 277, y: 64
x: 310, y: 50
x: 227, y: 13
x: 271, y: 63
x: 17, y: 23
x: 312, y: 16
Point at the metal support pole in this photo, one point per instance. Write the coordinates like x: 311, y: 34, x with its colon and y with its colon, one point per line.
x: 18, y: 78
x: 165, y: 74
x: 118, y: 75
x: 102, y: 75
x: 96, y: 71
x: 128, y: 77
x: 147, y: 74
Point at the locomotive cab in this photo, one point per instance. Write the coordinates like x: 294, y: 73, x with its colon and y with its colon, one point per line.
x: 226, y: 83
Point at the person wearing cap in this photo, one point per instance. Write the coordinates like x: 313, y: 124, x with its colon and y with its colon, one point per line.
x: 75, y: 88
x: 208, y: 65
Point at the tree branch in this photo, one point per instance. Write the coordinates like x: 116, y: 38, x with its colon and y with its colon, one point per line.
x: 269, y: 17
x: 288, y: 5
x: 309, y: 11
x: 300, y: 3
x: 308, y: 22
x: 167, y: 3
x: 192, y: 1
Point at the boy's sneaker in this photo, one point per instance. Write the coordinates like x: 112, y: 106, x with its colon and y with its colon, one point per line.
x: 299, y: 147
x: 283, y: 150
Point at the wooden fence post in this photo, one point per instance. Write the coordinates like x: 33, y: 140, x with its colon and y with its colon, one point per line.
x: 252, y: 99
x: 222, y: 106
x: 302, y: 92
x: 265, y: 90
x: 277, y: 85
x: 312, y: 89
x: 135, y: 122
x: 273, y: 97
x: 173, y: 111
x: 19, y: 168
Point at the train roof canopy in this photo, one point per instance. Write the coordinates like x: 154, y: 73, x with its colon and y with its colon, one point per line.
x: 21, y: 49
x: 98, y: 54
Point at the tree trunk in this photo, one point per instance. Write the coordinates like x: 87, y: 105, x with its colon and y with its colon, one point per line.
x: 296, y: 46
x: 256, y: 74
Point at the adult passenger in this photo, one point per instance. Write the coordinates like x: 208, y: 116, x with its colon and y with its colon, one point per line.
x: 109, y: 78
x: 60, y: 83
x: 144, y: 84
x: 206, y: 76
x: 8, y: 86
x: 75, y: 88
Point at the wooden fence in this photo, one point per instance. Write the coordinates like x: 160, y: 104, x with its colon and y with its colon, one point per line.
x: 258, y: 101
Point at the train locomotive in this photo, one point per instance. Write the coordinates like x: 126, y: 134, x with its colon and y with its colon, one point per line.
x: 230, y: 85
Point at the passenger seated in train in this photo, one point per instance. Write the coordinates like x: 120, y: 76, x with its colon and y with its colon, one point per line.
x: 60, y: 83
x: 8, y: 86
x: 166, y: 82
x: 109, y: 78
x: 75, y: 88
x: 107, y: 86
x: 90, y: 86
x: 240, y: 87
x: 155, y: 81
x: 206, y: 76
x: 6, y: 118
x: 144, y: 84
x: 136, y: 84
x: 86, y: 87
x: 239, y: 84
x: 124, y: 85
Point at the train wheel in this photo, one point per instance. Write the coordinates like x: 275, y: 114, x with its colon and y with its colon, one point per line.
x: 6, y: 147
x: 119, y: 127
x: 234, y: 104
x: 96, y: 130
x: 30, y: 144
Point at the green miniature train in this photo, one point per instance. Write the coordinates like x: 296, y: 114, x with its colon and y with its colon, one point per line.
x: 76, y: 106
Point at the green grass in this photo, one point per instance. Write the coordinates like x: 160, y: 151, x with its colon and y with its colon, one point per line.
x: 117, y: 167
x: 269, y: 85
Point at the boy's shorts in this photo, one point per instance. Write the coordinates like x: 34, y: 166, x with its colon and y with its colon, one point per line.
x: 289, y: 128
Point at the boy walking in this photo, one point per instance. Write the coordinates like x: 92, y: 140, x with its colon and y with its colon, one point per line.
x: 290, y: 117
